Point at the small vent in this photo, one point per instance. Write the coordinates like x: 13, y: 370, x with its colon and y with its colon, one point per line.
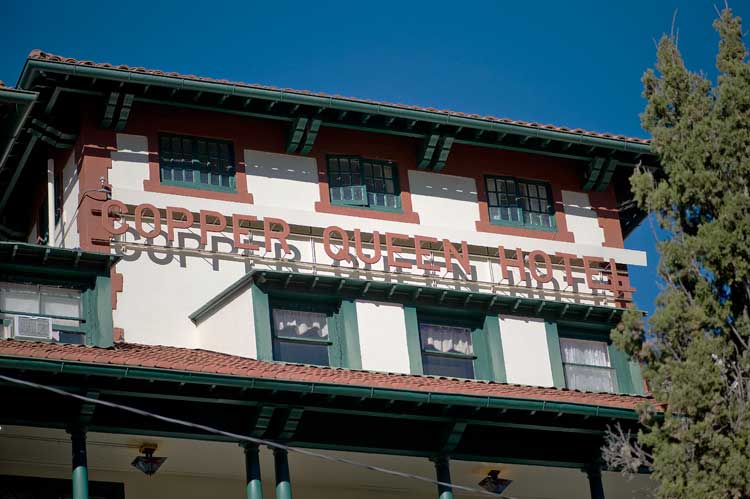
x: 33, y: 328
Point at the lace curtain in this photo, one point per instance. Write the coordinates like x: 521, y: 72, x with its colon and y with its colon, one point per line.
x: 447, y: 339
x: 593, y: 373
x: 300, y: 324
x: 590, y: 353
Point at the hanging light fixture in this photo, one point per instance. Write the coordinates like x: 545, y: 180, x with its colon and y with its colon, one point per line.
x: 147, y: 463
x: 493, y: 483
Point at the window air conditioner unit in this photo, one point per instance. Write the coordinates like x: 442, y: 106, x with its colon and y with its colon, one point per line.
x: 32, y: 328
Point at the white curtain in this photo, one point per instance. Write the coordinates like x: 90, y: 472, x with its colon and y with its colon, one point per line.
x: 587, y: 366
x: 446, y: 339
x: 590, y: 353
x: 298, y: 323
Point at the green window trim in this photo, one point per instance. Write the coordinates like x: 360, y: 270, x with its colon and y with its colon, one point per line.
x: 489, y: 364
x: 627, y: 372
x: 555, y: 355
x: 509, y: 194
x: 197, y: 163
x: 341, y: 319
x: 359, y: 182
x: 96, y: 324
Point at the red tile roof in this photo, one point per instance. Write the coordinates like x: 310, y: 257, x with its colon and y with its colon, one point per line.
x: 45, y: 56
x: 202, y: 361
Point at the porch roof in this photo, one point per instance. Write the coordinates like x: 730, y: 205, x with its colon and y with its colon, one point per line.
x: 201, y: 366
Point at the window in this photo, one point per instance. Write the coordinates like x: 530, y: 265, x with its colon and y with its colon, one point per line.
x: 196, y: 162
x: 587, y: 366
x: 447, y: 350
x: 61, y: 306
x: 300, y: 336
x: 522, y: 203
x: 355, y: 181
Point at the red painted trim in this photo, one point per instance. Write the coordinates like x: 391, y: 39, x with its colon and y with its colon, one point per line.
x: 151, y: 120
x: 118, y: 335
x: 116, y: 284
x: 477, y: 163
x: 335, y: 141
x: 608, y: 217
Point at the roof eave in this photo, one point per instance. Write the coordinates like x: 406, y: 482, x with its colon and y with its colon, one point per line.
x: 33, y: 66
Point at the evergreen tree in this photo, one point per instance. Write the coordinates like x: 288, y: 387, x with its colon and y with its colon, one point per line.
x: 694, y: 348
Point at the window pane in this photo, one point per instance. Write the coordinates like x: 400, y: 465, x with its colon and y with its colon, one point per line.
x: 590, y: 379
x: 19, y: 298
x: 299, y: 324
x: 62, y: 302
x: 446, y: 339
x: 299, y: 352
x: 442, y: 365
x: 193, y: 160
x: 590, y: 353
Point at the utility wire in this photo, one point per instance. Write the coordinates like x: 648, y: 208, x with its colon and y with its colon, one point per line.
x: 257, y: 441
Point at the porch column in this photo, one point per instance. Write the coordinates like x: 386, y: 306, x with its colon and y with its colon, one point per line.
x: 252, y: 471
x: 594, y: 474
x: 443, y: 473
x: 281, y: 464
x: 80, y: 475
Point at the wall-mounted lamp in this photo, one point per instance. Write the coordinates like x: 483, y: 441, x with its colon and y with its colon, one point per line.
x: 493, y: 483
x: 147, y: 463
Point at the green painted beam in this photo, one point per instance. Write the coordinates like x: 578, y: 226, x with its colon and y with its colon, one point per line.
x: 122, y: 120
x: 262, y: 420
x: 17, y: 173
x: 311, y: 135
x: 592, y: 173
x: 444, y: 149
x: 290, y: 423
x: 453, y: 437
x: 428, y: 149
x: 295, y: 134
x: 262, y: 324
x: 109, y: 110
x: 606, y: 177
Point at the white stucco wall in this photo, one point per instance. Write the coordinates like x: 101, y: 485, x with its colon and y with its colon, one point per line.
x: 282, y: 180
x: 581, y: 218
x: 382, y: 337
x: 274, y: 199
x: 444, y: 200
x: 230, y: 328
x: 69, y: 220
x: 525, y: 351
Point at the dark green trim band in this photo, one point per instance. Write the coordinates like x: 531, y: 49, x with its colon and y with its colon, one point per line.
x: 363, y: 392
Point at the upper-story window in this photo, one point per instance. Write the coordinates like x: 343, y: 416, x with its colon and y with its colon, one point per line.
x: 587, y: 366
x: 300, y: 336
x: 35, y: 312
x: 368, y: 183
x: 522, y: 203
x: 197, y: 162
x: 447, y: 350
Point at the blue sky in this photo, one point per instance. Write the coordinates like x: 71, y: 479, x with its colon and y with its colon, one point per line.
x: 568, y: 63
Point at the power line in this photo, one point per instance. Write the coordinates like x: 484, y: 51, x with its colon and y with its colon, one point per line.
x: 257, y: 441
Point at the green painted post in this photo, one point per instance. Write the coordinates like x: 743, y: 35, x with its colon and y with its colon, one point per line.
x: 413, y: 343
x: 281, y: 464
x: 253, y: 486
x: 555, y: 356
x: 594, y: 474
x: 443, y: 472
x: 80, y: 475
x: 262, y: 324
